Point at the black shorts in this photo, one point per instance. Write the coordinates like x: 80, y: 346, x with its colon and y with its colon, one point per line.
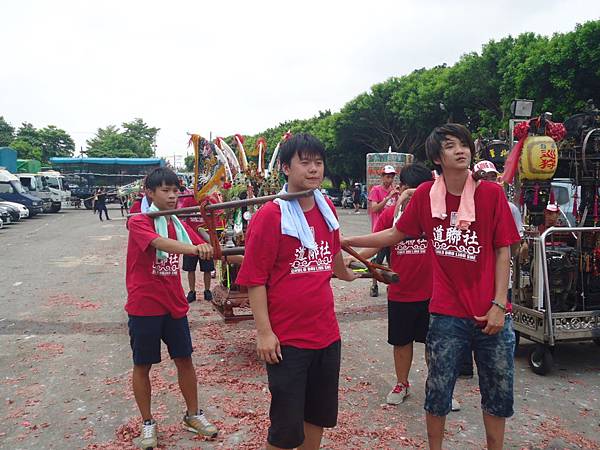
x: 382, y: 254
x: 407, y: 322
x: 146, y: 332
x: 304, y: 387
x: 191, y: 261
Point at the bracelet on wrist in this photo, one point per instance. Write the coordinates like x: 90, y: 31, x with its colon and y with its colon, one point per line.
x: 499, y: 305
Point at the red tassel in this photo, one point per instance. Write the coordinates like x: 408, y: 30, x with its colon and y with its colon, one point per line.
x: 552, y: 199
x: 536, y: 193
x: 596, y: 206
x: 575, y: 206
x: 511, y: 164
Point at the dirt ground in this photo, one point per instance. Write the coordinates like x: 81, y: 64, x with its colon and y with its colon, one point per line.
x: 65, y: 361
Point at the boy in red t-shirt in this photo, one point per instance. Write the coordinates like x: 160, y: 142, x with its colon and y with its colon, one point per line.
x: 382, y: 197
x: 156, y: 304
x: 470, y: 229
x: 408, y: 301
x: 190, y: 262
x: 292, y: 249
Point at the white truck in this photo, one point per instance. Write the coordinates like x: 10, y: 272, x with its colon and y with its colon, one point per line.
x: 61, y: 196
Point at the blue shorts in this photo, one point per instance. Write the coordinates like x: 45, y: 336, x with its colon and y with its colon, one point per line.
x: 448, y: 341
x: 146, y: 332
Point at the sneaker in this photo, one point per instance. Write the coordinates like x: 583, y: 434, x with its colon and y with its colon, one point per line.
x: 199, y: 424
x: 356, y: 212
x: 398, y: 394
x: 465, y: 376
x: 191, y: 297
x: 374, y: 292
x: 455, y: 405
x: 208, y: 295
x: 148, y: 437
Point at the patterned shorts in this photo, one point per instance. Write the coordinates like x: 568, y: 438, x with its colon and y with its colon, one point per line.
x: 448, y: 341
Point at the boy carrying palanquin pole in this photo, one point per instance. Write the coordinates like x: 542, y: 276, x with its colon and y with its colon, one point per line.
x: 292, y: 250
x: 156, y: 304
x: 470, y: 228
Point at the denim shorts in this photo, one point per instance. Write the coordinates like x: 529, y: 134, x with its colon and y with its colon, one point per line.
x: 448, y: 341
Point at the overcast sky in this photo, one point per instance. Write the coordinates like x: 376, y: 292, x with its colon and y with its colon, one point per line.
x: 234, y: 66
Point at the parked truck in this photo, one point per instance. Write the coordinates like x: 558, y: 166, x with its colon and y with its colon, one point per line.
x: 35, y: 185
x: 11, y: 190
x: 61, y: 196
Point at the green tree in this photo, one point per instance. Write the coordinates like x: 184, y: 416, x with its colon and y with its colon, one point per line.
x: 55, y: 142
x: 136, y: 140
x: 189, y: 163
x: 560, y: 73
x: 143, y: 136
x: 26, y: 150
x: 28, y: 133
x: 6, y: 132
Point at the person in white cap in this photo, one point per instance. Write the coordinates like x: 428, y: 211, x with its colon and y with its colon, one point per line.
x: 486, y: 170
x: 551, y: 217
x: 382, y: 196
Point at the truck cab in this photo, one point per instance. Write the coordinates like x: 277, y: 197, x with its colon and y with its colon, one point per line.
x: 11, y: 190
x: 61, y: 196
x: 564, y: 193
x: 35, y: 185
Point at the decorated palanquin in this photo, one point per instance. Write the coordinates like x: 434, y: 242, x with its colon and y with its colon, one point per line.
x: 235, y: 178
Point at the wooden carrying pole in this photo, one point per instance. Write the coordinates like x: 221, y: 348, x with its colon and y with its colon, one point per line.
x: 228, y: 205
x: 379, y: 272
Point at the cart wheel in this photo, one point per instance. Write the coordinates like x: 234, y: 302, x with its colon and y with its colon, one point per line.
x: 596, y: 341
x: 517, y: 340
x: 540, y: 359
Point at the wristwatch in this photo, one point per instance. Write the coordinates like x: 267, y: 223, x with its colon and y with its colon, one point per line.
x: 499, y: 305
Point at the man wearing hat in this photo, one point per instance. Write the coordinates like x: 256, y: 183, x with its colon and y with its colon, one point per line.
x: 551, y: 217
x: 382, y: 196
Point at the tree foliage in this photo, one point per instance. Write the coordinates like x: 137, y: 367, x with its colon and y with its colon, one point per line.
x: 189, y: 163
x: 560, y: 73
x: 7, y: 132
x: 135, y: 140
x: 41, y: 144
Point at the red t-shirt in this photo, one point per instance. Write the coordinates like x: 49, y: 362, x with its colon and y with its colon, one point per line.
x: 299, y: 295
x: 153, y: 287
x: 411, y: 260
x: 198, y: 221
x: 464, y: 261
x: 377, y: 194
x: 136, y: 207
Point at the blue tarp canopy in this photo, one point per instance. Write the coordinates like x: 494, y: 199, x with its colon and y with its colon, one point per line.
x: 105, y: 171
x: 110, y: 161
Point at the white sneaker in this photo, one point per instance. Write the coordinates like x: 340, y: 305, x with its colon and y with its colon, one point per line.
x: 148, y: 437
x: 455, y: 405
x: 398, y: 394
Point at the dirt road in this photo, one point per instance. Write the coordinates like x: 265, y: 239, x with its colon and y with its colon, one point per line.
x: 65, y: 361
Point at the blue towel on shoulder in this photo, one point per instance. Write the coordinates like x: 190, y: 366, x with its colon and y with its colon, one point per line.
x: 293, y: 221
x: 145, y: 205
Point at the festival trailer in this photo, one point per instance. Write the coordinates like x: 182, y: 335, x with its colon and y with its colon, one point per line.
x: 556, y: 290
x: 376, y: 162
